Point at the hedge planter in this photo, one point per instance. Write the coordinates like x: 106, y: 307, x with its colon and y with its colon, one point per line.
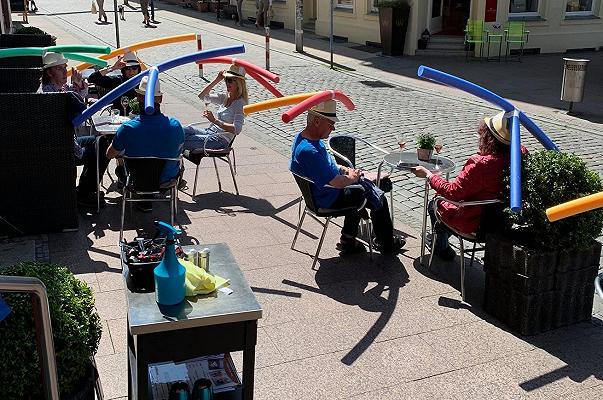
x: 535, y: 291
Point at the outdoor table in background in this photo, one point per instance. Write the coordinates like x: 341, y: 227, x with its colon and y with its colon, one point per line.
x: 405, y: 161
x: 103, y: 126
x: 199, y: 326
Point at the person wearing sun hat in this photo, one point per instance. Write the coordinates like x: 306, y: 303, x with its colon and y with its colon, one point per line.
x: 54, y: 76
x: 230, y: 118
x: 129, y: 66
x: 309, y: 158
x: 480, y: 179
x: 155, y: 135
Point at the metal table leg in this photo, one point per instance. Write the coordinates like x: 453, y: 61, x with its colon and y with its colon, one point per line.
x: 424, y: 227
x: 96, y: 140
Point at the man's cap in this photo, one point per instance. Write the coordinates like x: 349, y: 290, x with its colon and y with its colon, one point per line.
x: 327, y: 109
x: 51, y: 59
x: 235, y: 71
x: 142, y: 87
x: 499, y: 127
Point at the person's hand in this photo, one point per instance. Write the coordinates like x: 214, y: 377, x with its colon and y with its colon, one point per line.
x: 209, y: 115
x: 354, y: 174
x: 77, y: 80
x: 119, y: 64
x: 421, y: 172
x: 220, y: 75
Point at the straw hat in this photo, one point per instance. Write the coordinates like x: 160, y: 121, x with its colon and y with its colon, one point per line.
x: 498, y: 125
x: 327, y: 110
x: 130, y: 59
x: 235, y: 71
x: 51, y: 59
x: 142, y: 87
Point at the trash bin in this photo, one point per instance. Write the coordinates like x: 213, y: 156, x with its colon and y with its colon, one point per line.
x: 574, y: 74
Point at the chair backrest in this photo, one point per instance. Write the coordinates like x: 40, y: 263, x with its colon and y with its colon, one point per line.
x: 491, y: 220
x: 144, y: 173
x: 475, y: 28
x: 305, y: 186
x: 346, y: 146
x: 515, y: 29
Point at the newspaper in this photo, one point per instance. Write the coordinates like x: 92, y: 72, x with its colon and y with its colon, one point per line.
x: 218, y: 368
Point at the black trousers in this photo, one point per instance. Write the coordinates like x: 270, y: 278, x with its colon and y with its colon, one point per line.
x: 87, y: 184
x: 382, y: 222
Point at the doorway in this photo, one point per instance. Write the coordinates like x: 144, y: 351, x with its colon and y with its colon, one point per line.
x: 309, y: 14
x: 454, y: 16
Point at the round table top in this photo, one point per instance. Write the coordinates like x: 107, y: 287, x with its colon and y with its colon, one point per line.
x: 105, y: 126
x: 408, y: 159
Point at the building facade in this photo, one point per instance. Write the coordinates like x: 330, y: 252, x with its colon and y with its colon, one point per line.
x: 554, y: 25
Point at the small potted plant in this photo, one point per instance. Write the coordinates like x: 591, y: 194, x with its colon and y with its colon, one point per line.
x: 425, y: 145
x: 545, y: 270
x: 134, y: 108
x: 76, y: 330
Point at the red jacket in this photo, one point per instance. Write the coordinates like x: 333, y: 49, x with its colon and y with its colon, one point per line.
x: 480, y: 179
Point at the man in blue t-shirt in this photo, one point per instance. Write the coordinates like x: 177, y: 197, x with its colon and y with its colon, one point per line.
x: 154, y: 135
x: 310, y: 159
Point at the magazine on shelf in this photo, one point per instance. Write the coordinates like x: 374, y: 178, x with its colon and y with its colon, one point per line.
x: 218, y: 368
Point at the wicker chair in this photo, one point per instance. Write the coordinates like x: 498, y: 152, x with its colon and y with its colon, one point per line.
x: 20, y: 80
x: 37, y: 164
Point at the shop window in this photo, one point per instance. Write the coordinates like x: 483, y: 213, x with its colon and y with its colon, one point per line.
x: 373, y: 6
x: 579, y: 7
x: 524, y: 7
x: 347, y: 4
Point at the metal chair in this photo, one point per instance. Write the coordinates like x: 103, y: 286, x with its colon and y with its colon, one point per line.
x: 475, y: 238
x: 474, y: 35
x: 343, y: 148
x: 516, y: 33
x: 305, y: 186
x: 195, y: 156
x: 143, y: 178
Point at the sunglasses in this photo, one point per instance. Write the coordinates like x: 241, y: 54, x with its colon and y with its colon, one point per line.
x: 228, y: 80
x: 132, y: 67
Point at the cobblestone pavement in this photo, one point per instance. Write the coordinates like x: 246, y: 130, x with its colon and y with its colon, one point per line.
x: 385, y: 107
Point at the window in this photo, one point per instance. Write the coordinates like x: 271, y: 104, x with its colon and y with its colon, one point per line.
x: 373, y: 6
x: 529, y: 7
x: 349, y: 4
x: 579, y: 6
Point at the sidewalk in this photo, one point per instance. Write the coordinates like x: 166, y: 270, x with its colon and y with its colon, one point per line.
x: 386, y: 329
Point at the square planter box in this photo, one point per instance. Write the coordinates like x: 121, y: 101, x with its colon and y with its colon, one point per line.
x: 534, y: 291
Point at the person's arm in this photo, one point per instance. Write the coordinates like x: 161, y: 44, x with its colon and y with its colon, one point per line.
x: 117, y: 145
x: 239, y: 119
x: 466, y: 184
x: 210, y: 85
x: 342, y: 181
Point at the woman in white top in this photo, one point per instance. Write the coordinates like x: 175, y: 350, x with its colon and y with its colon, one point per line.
x: 229, y: 121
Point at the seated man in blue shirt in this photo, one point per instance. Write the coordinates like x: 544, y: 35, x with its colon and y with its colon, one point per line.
x: 309, y: 158
x: 154, y: 135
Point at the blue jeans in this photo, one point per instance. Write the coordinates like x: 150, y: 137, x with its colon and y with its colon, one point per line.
x: 195, y: 138
x: 443, y: 233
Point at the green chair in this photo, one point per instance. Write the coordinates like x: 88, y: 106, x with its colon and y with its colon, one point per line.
x: 474, y: 34
x: 516, y: 33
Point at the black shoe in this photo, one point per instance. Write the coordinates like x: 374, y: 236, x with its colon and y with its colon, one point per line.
x: 398, y: 242
x: 144, y: 206
x: 448, y: 254
x: 350, y: 246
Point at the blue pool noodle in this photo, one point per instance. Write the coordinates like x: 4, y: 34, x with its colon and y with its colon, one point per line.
x: 149, y: 96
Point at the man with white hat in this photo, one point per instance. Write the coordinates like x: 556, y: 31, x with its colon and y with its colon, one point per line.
x: 129, y: 66
x: 155, y: 135
x: 54, y: 76
x: 310, y: 159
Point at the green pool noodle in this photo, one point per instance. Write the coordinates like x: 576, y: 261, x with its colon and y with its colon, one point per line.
x: 83, y: 48
x: 85, y: 58
x: 21, y: 51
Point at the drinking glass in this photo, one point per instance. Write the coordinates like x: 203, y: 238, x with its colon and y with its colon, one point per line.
x: 124, y: 103
x: 401, y: 145
x: 114, y: 116
x: 207, y: 102
x: 438, y: 148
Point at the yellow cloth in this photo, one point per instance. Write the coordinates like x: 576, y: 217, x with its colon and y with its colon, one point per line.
x: 199, y: 281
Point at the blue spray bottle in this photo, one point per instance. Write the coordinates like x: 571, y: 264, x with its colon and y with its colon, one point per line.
x: 169, y: 274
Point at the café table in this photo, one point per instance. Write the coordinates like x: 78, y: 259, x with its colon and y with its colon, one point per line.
x: 406, y: 161
x: 103, y: 125
x: 199, y: 326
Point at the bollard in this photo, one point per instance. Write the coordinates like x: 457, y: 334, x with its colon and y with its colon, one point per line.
x: 574, y: 75
x: 268, y: 48
x: 200, y: 47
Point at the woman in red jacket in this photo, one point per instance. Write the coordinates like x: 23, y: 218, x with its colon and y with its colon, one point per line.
x: 480, y: 179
